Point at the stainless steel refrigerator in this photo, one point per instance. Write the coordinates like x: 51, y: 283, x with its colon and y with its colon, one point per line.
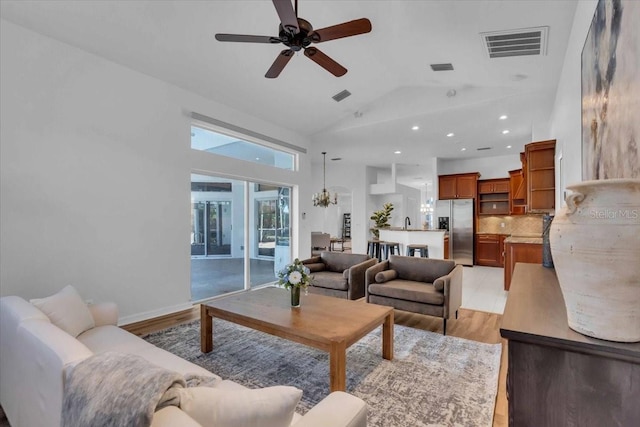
x: 456, y: 216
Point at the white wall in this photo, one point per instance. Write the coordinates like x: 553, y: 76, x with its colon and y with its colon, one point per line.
x: 489, y: 167
x: 95, y: 176
x: 406, y: 201
x: 566, y: 120
x: 350, y: 181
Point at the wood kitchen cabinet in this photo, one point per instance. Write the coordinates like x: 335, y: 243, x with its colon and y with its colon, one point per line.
x: 517, y: 193
x: 519, y: 252
x: 490, y: 186
x: 489, y: 250
x: 556, y: 376
x: 493, y: 197
x: 458, y: 186
x: 541, y: 189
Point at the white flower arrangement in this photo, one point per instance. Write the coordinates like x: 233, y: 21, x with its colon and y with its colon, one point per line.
x: 295, y: 274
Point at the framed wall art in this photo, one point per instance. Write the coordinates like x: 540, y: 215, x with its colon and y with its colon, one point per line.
x: 611, y: 92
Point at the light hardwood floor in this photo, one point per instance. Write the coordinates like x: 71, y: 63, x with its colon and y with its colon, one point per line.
x: 473, y: 325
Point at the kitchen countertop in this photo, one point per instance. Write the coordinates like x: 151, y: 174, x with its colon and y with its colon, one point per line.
x: 412, y: 229
x: 516, y: 238
x: 524, y: 239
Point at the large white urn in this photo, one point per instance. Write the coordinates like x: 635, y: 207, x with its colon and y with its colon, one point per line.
x: 595, y: 243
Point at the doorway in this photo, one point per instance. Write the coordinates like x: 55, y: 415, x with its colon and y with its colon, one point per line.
x: 211, y: 228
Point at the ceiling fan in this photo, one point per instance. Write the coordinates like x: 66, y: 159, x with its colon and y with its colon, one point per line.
x: 297, y: 34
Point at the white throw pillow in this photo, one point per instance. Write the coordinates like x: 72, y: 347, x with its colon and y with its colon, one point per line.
x: 67, y: 311
x: 263, y: 407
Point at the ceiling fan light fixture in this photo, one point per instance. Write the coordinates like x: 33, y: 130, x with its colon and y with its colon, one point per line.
x: 298, y: 34
x: 324, y: 198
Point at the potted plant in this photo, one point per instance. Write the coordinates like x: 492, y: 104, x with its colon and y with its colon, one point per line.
x: 381, y: 219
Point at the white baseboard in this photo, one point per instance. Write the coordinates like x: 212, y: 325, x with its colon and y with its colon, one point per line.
x: 126, y: 320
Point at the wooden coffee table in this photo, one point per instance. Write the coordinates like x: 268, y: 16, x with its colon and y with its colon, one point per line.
x: 326, y: 323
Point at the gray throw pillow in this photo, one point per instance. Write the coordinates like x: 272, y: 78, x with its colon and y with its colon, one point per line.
x: 316, y: 266
x: 385, y: 276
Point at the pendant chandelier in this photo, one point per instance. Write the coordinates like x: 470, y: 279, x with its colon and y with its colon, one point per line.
x: 324, y: 199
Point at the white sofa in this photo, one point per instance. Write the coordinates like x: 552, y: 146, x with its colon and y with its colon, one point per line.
x: 34, y: 354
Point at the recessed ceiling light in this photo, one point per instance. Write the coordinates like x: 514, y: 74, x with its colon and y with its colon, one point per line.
x: 506, y: 131
x: 463, y: 149
x: 508, y: 146
x: 450, y: 134
x: 257, y: 158
x: 415, y: 128
x: 503, y: 117
x: 397, y: 152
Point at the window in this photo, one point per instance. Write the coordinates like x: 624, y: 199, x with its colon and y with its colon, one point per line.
x: 229, y: 146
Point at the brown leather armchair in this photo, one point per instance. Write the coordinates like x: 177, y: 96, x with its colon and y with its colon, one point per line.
x: 419, y: 285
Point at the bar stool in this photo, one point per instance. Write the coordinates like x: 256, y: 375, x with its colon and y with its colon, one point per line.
x: 388, y: 247
x: 373, y: 248
x: 424, y: 250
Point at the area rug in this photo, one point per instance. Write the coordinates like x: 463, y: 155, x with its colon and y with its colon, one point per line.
x: 433, y: 380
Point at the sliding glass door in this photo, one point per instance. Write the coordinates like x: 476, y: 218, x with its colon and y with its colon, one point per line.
x: 221, y: 211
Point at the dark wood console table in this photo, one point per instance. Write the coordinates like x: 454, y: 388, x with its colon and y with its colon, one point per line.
x: 556, y: 376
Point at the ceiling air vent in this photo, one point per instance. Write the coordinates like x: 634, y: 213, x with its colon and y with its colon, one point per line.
x: 523, y: 42
x: 483, y: 148
x: 341, y: 95
x: 442, y: 67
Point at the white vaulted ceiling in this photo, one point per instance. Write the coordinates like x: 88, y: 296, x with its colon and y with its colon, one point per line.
x: 393, y: 87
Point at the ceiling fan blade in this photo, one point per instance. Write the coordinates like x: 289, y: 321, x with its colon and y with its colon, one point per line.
x: 287, y: 15
x: 325, y: 62
x: 247, y: 39
x: 346, y: 29
x: 278, y: 65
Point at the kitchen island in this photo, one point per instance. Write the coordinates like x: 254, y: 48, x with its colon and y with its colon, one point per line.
x: 433, y: 238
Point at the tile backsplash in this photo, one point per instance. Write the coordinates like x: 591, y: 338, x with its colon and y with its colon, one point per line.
x: 518, y: 225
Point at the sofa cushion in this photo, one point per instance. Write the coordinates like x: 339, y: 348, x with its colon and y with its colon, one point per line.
x: 408, y: 290
x: 171, y: 416
x: 330, y: 280
x: 340, y: 261
x: 386, y: 275
x: 111, y: 338
x: 66, y: 310
x: 316, y: 266
x: 420, y: 269
x: 266, y: 407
